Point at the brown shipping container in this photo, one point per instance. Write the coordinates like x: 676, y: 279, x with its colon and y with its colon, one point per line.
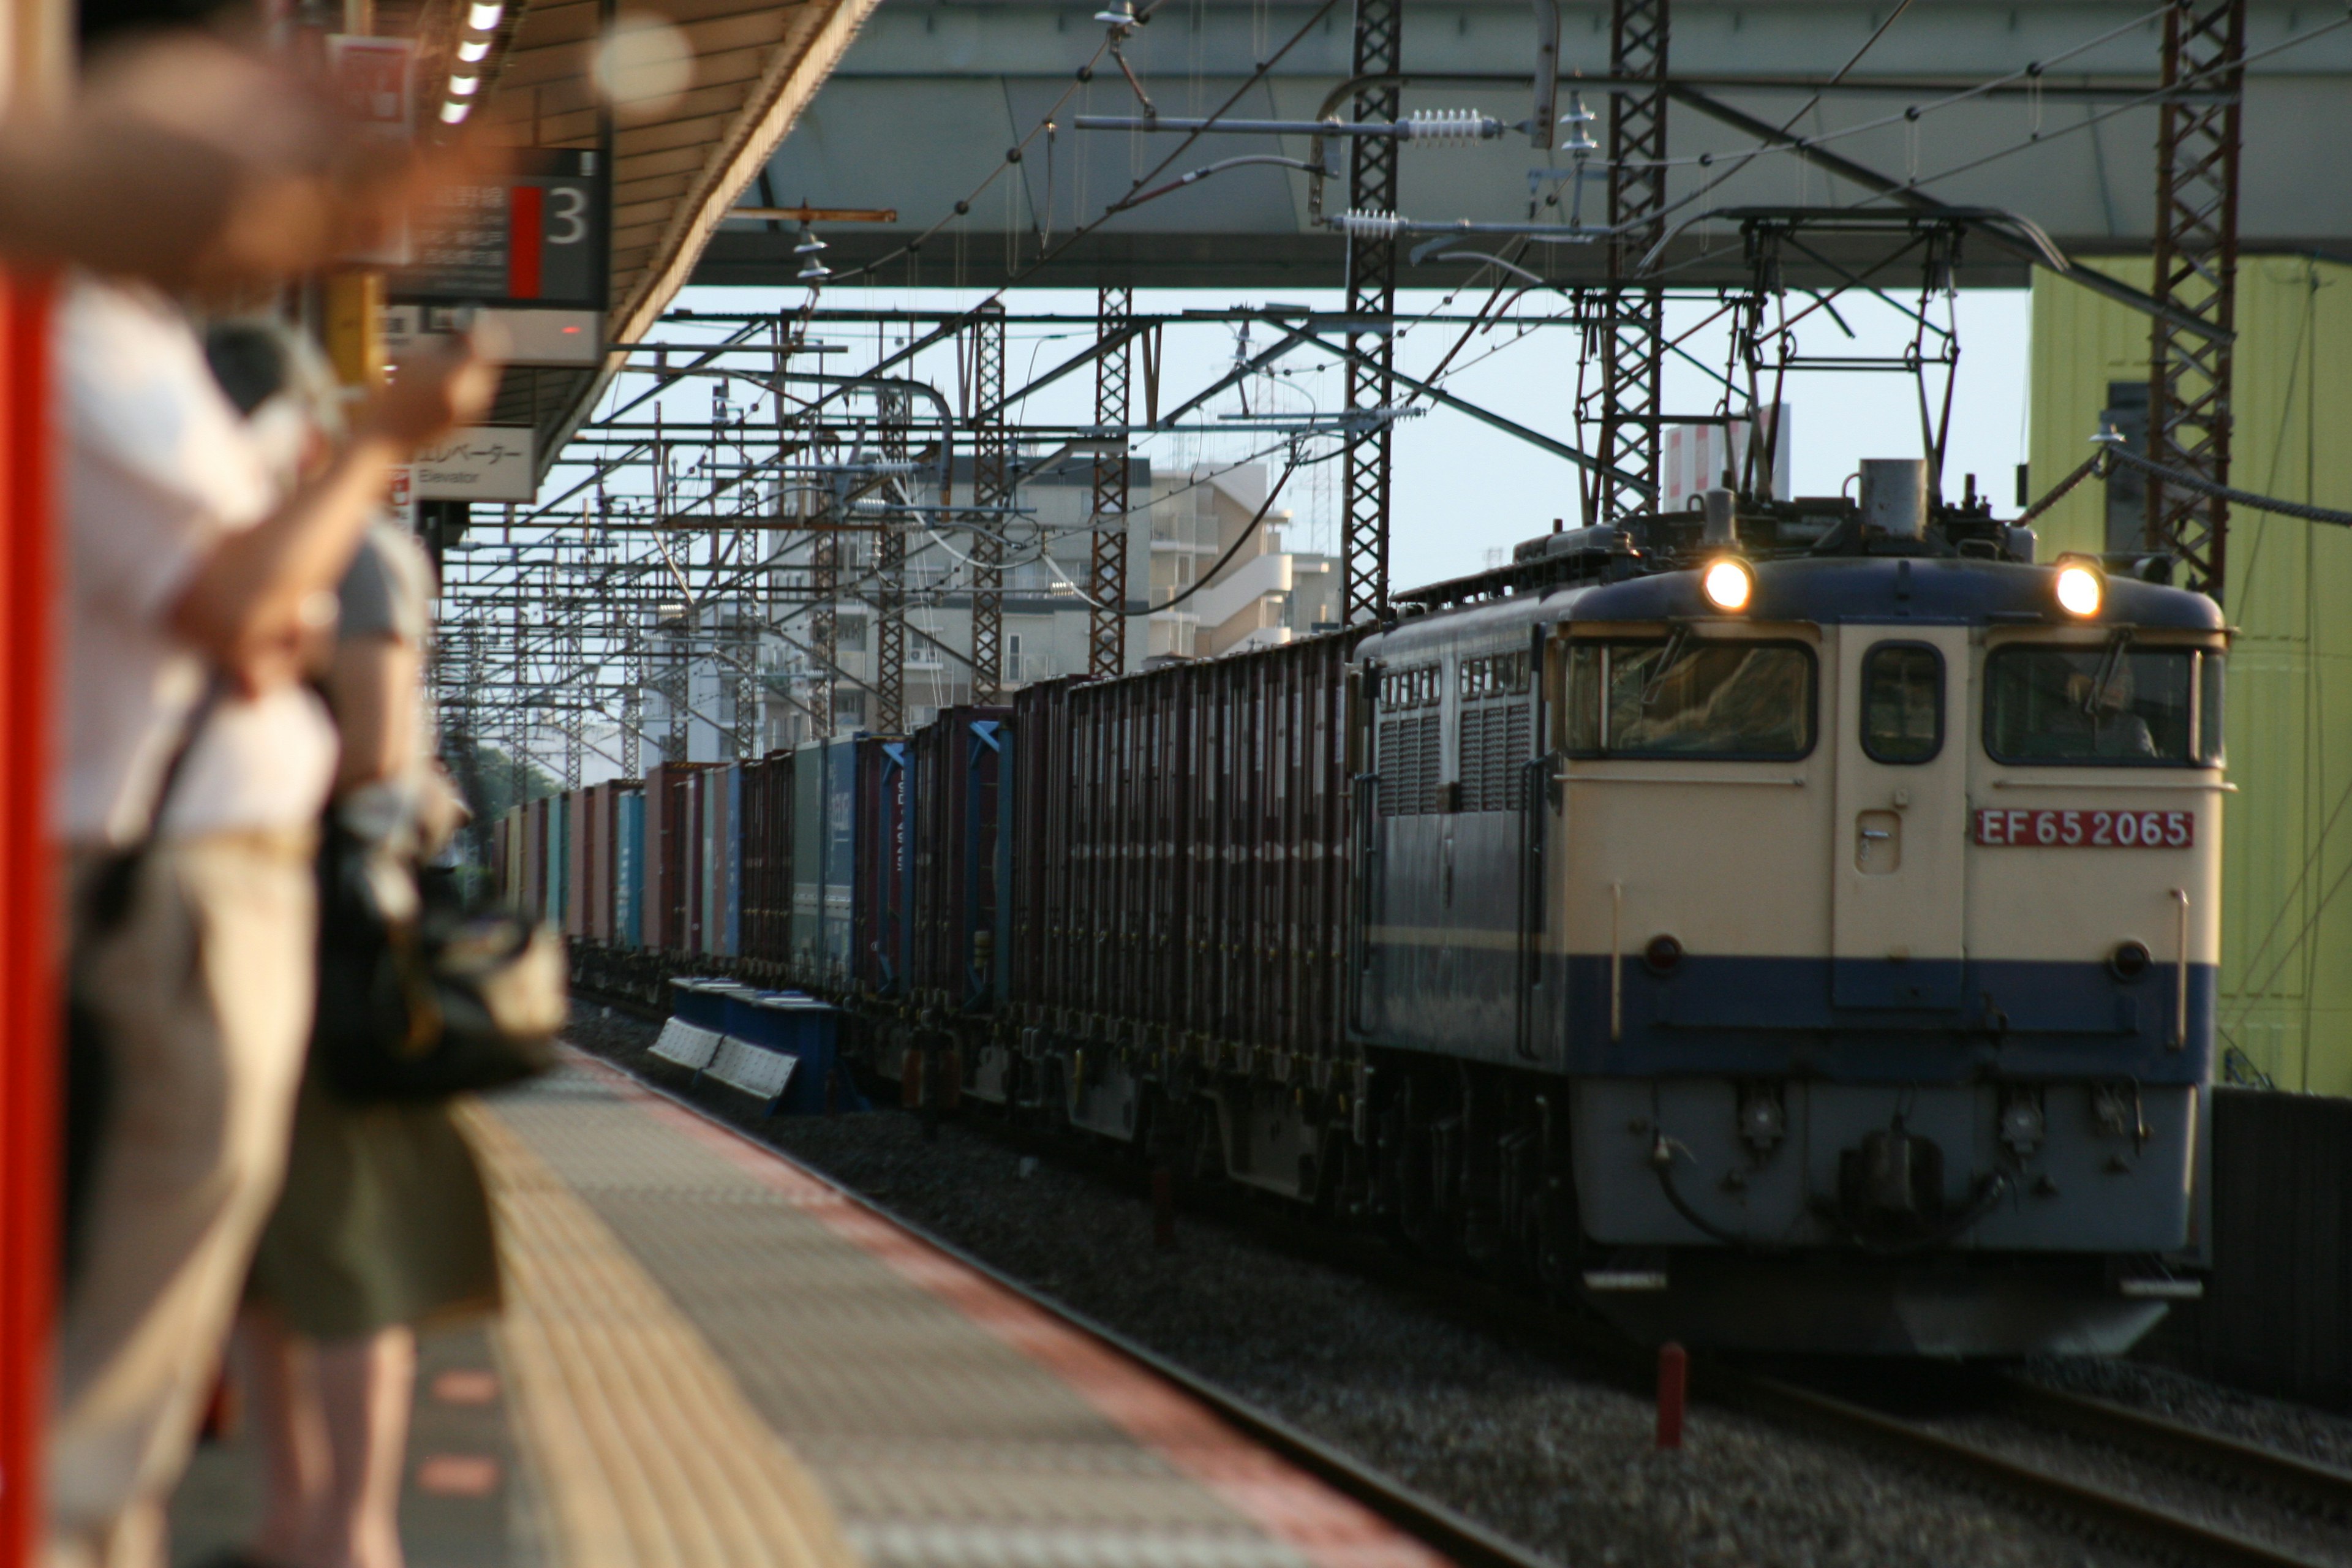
x: 1179, y: 857
x: 767, y: 858
x: 960, y: 767
x: 673, y: 858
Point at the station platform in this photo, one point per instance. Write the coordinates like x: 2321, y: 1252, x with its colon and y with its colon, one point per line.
x: 712, y: 1357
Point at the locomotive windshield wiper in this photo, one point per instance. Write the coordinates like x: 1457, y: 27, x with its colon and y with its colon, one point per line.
x: 2116, y: 645
x: 1670, y: 658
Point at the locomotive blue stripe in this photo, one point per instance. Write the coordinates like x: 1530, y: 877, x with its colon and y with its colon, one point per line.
x: 1766, y: 1017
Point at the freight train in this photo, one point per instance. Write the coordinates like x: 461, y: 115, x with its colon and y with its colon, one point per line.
x: 1785, y: 925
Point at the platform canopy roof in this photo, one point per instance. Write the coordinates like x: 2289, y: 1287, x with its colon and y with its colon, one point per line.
x: 736, y: 76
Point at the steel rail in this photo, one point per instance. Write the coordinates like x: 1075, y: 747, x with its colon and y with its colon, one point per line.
x: 2321, y: 1488
x: 1465, y: 1541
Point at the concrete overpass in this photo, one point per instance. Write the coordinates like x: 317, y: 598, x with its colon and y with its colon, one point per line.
x: 925, y: 105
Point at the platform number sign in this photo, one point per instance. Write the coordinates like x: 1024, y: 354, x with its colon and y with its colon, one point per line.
x: 538, y: 236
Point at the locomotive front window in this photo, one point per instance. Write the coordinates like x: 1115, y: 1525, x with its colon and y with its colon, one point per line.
x: 1902, y: 703
x: 2104, y: 707
x: 1684, y: 698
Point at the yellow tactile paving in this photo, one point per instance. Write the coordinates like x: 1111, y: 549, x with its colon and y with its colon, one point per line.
x: 646, y: 1451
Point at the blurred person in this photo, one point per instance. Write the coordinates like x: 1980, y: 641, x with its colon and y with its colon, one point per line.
x: 189, y: 571
x: 190, y: 158
x: 383, y: 1222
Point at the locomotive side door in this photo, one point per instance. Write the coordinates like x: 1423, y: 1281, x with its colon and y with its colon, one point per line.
x: 1898, y: 858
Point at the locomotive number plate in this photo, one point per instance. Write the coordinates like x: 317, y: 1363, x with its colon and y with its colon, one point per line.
x: 2070, y: 827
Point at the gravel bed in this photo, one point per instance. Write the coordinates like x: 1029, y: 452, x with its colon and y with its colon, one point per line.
x: 1550, y: 1454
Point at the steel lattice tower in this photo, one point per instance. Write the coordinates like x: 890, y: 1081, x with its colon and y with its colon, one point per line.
x: 892, y: 413
x: 991, y: 468
x: 1372, y: 297
x: 2189, y: 416
x: 1632, y: 367
x: 1106, y: 624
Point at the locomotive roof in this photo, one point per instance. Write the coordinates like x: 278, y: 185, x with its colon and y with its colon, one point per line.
x: 1827, y: 590
x: 1830, y: 589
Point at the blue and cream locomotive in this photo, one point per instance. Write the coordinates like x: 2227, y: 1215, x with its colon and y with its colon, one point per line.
x: 1796, y: 926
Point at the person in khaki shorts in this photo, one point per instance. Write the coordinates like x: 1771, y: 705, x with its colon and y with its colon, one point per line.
x: 188, y: 570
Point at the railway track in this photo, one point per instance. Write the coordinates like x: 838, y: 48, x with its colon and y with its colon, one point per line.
x: 2098, y: 1510
x: 2109, y: 1512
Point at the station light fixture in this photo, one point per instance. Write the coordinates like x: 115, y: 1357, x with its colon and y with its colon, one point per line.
x: 484, y: 15
x: 454, y: 112
x: 1728, y: 583
x: 465, y: 86
x: 473, y: 51
x: 2080, y: 586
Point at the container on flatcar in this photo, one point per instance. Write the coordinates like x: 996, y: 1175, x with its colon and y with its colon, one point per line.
x: 629, y: 868
x: 882, y: 908
x: 825, y: 872
x: 962, y: 859
x: 673, y: 858
x: 766, y: 840
x: 1178, y: 889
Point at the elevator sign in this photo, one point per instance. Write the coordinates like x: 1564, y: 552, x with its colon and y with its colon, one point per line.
x: 538, y: 236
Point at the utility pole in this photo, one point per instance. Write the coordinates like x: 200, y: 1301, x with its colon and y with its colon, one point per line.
x: 1632, y: 367
x: 2189, y: 416
x: 1372, y: 299
x: 1106, y: 583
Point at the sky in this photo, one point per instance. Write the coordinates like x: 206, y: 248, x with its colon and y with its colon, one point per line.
x: 1462, y: 489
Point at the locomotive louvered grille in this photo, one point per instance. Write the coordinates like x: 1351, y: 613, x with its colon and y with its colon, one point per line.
x: 1494, y: 730
x: 1412, y: 741
x: 1412, y: 764
x: 1494, y: 745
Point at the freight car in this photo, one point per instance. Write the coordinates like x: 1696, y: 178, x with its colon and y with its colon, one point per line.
x: 1788, y: 925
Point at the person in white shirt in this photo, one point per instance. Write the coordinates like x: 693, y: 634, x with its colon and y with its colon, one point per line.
x: 187, y: 570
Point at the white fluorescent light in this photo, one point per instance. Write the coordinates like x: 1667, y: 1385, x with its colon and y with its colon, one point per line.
x: 485, y: 15
x: 473, y: 49
x: 453, y: 113
x: 463, y: 86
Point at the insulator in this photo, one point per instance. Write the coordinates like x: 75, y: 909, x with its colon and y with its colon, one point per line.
x: 1369, y: 225
x: 1450, y: 127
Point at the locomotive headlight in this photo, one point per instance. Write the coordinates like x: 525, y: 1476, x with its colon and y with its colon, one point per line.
x: 2080, y: 588
x: 1729, y: 583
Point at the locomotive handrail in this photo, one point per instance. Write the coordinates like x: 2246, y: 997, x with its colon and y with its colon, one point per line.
x: 1678, y: 778
x: 2219, y: 786
x: 1531, y: 898
x: 1616, y: 962
x: 2180, y: 976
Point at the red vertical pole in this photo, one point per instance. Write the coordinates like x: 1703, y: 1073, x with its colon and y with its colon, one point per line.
x: 1673, y: 1386
x: 28, y: 1027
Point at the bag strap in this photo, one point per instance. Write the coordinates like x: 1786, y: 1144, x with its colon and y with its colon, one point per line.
x: 110, y: 893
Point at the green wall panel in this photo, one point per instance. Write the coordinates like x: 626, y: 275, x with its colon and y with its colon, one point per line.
x: 2286, y: 960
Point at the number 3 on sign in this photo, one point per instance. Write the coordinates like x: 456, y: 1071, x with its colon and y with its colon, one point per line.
x: 2071, y: 828
x: 567, y: 214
